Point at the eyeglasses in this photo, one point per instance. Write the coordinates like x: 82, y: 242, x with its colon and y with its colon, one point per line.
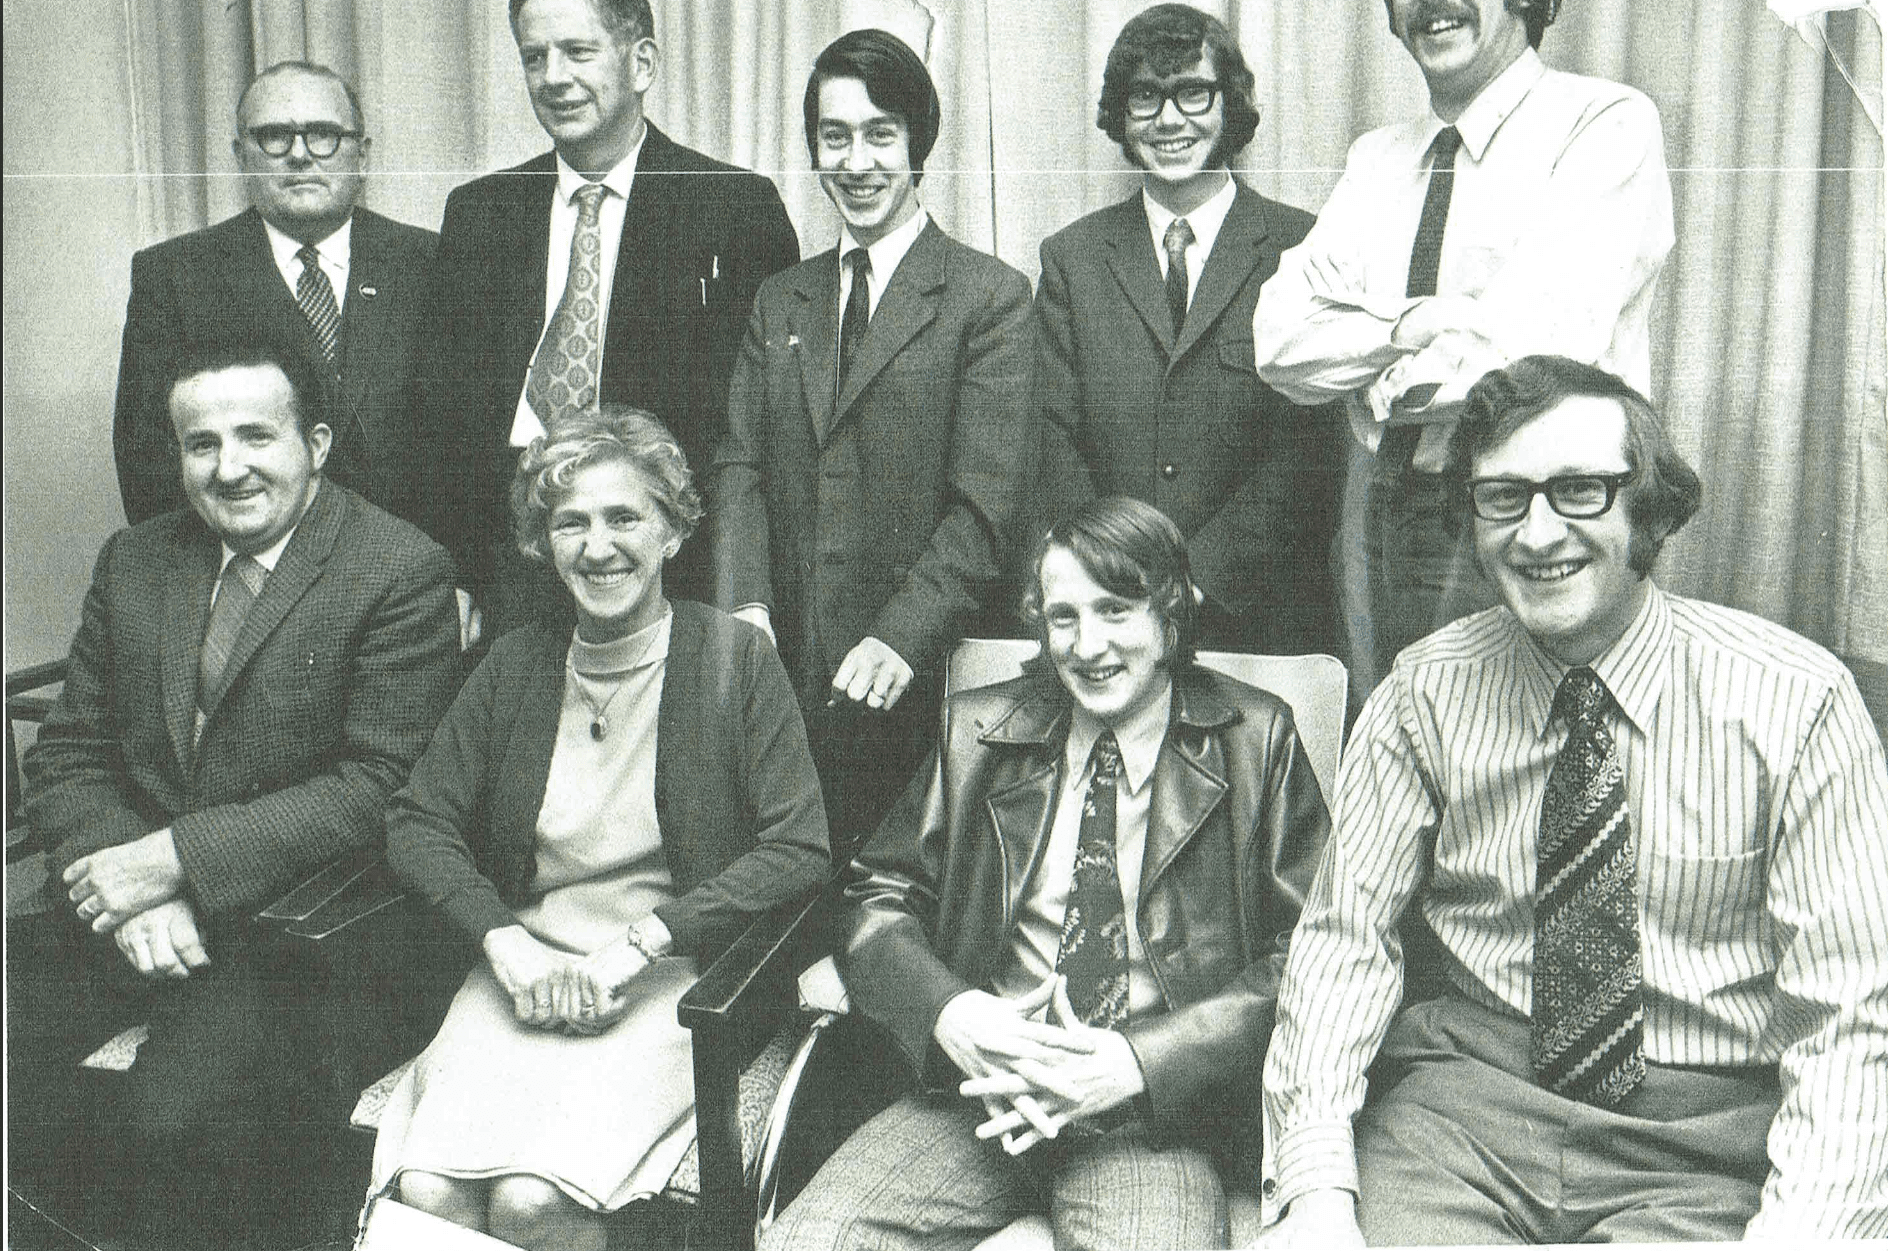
x: 322, y: 141
x: 1192, y: 97
x: 1576, y: 496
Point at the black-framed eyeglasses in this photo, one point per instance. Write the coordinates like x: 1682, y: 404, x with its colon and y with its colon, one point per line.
x: 1576, y: 496
x: 321, y: 140
x: 1192, y: 97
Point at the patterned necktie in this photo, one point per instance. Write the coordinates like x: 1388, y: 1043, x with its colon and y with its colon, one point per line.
x: 316, y: 296
x: 1094, y: 951
x: 237, y: 589
x: 1178, y: 238
x: 858, y: 314
x: 570, y: 360
x: 1588, y: 1011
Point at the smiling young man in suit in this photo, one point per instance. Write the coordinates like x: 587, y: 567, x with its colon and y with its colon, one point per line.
x: 551, y: 296
x: 306, y: 264
x: 862, y: 501
x: 251, y: 679
x: 1144, y: 367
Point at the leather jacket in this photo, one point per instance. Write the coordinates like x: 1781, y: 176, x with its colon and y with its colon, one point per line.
x: 1236, y: 825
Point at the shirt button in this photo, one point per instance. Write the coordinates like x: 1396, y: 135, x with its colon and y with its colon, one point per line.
x: 1269, y: 1188
x: 1170, y: 470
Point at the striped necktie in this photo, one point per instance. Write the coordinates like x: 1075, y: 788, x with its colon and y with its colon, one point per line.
x: 1589, y: 1015
x: 237, y: 589
x: 316, y: 296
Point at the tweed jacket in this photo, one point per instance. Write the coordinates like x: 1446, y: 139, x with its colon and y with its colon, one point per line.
x: 222, y: 280
x: 743, y: 826
x: 343, y: 665
x: 884, y: 509
x: 698, y: 239
x: 1235, y: 828
x: 1183, y: 422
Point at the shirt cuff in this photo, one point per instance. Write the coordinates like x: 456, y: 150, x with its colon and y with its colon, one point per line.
x: 1319, y: 1156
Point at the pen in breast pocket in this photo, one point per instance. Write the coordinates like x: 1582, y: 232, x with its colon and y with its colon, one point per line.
x: 704, y: 293
x: 715, y: 267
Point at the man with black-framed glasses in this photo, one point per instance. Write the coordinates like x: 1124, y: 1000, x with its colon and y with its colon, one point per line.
x: 1144, y: 372
x: 306, y: 264
x: 1602, y: 910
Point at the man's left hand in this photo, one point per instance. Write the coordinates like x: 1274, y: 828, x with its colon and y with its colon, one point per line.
x: 1071, y: 1087
x: 871, y: 674
x: 114, y: 884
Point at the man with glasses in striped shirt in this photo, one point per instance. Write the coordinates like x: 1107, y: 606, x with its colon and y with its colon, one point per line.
x: 1635, y: 841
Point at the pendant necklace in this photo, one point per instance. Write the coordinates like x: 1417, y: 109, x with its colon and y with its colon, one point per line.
x: 599, y: 713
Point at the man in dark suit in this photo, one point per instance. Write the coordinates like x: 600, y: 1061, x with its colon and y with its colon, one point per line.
x: 303, y: 264
x: 1144, y: 365
x: 251, y: 679
x: 667, y: 257
x: 862, y: 501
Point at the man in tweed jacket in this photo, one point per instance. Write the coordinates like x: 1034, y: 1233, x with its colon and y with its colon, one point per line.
x: 179, y: 795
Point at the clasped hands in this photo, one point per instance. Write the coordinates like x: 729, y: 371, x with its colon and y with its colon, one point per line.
x: 133, y: 891
x: 553, y: 989
x: 1035, y: 1076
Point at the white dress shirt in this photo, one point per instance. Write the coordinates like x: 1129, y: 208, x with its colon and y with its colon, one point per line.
x: 616, y: 184
x: 1560, y: 219
x: 333, y: 256
x: 1204, y: 221
x: 1758, y: 795
x: 1036, y: 941
x: 885, y: 256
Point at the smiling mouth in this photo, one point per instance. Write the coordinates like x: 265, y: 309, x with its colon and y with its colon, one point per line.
x: 1172, y: 147
x: 1560, y: 571
x: 606, y: 578
x: 1437, y: 26
x: 1097, y: 674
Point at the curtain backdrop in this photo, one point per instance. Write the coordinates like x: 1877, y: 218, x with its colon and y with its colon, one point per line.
x: 1769, y: 333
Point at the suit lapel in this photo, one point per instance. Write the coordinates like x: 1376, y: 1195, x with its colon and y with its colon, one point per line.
x: 186, y: 617
x: 1021, y: 813
x: 1186, y: 790
x: 1130, y: 252
x: 294, y: 573
x: 1239, y: 249
x: 908, y: 306
x: 815, y: 321
x: 656, y: 207
x: 364, y: 343
x: 256, y: 285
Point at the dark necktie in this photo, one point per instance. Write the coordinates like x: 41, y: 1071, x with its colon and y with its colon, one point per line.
x: 570, y: 360
x: 1094, y: 951
x: 1425, y: 256
x: 316, y: 296
x: 1179, y: 236
x: 1588, y: 1011
x: 236, y: 590
x: 858, y: 314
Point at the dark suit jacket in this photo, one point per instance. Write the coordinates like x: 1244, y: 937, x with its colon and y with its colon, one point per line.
x: 736, y: 797
x: 1235, y: 829
x: 222, y: 281
x: 698, y: 239
x: 885, y: 510
x: 1251, y: 479
x: 342, y: 668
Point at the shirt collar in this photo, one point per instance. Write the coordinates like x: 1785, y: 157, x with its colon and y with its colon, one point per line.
x: 1634, y: 668
x: 618, y: 179
x: 337, y: 249
x: 1497, y: 100
x: 1140, y: 738
x: 1205, y: 220
x: 890, y: 250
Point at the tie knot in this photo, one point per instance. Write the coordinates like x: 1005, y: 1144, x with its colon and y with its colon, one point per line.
x: 1106, y: 757
x: 307, y: 255
x: 858, y: 261
x: 589, y: 199
x: 1582, y: 698
x: 1443, y: 148
x: 1179, y: 237
x: 246, y: 568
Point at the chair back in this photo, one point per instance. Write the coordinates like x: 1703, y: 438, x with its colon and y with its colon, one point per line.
x: 1314, y: 686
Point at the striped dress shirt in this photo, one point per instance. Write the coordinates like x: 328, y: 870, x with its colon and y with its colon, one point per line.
x: 1759, y: 799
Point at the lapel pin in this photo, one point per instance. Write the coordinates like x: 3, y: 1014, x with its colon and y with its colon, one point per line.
x: 369, y: 292
x: 793, y: 340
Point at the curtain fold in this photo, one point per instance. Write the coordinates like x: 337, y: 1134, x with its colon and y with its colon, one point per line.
x: 1769, y: 331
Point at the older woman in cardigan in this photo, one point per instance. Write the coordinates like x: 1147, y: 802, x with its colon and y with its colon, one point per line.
x: 603, y: 810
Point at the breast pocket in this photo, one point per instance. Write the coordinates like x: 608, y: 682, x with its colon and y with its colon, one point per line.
x: 1238, y: 355
x: 1709, y: 908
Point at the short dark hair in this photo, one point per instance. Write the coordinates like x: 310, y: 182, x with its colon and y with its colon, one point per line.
x: 1666, y: 492
x: 1536, y: 15
x: 305, y: 67
x: 1165, y: 40
x: 614, y: 434
x: 895, y: 80
x: 309, y: 386
x: 626, y: 20
x: 1131, y: 549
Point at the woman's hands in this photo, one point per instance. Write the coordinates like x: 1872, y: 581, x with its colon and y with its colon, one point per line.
x: 552, y: 989
x: 603, y: 979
